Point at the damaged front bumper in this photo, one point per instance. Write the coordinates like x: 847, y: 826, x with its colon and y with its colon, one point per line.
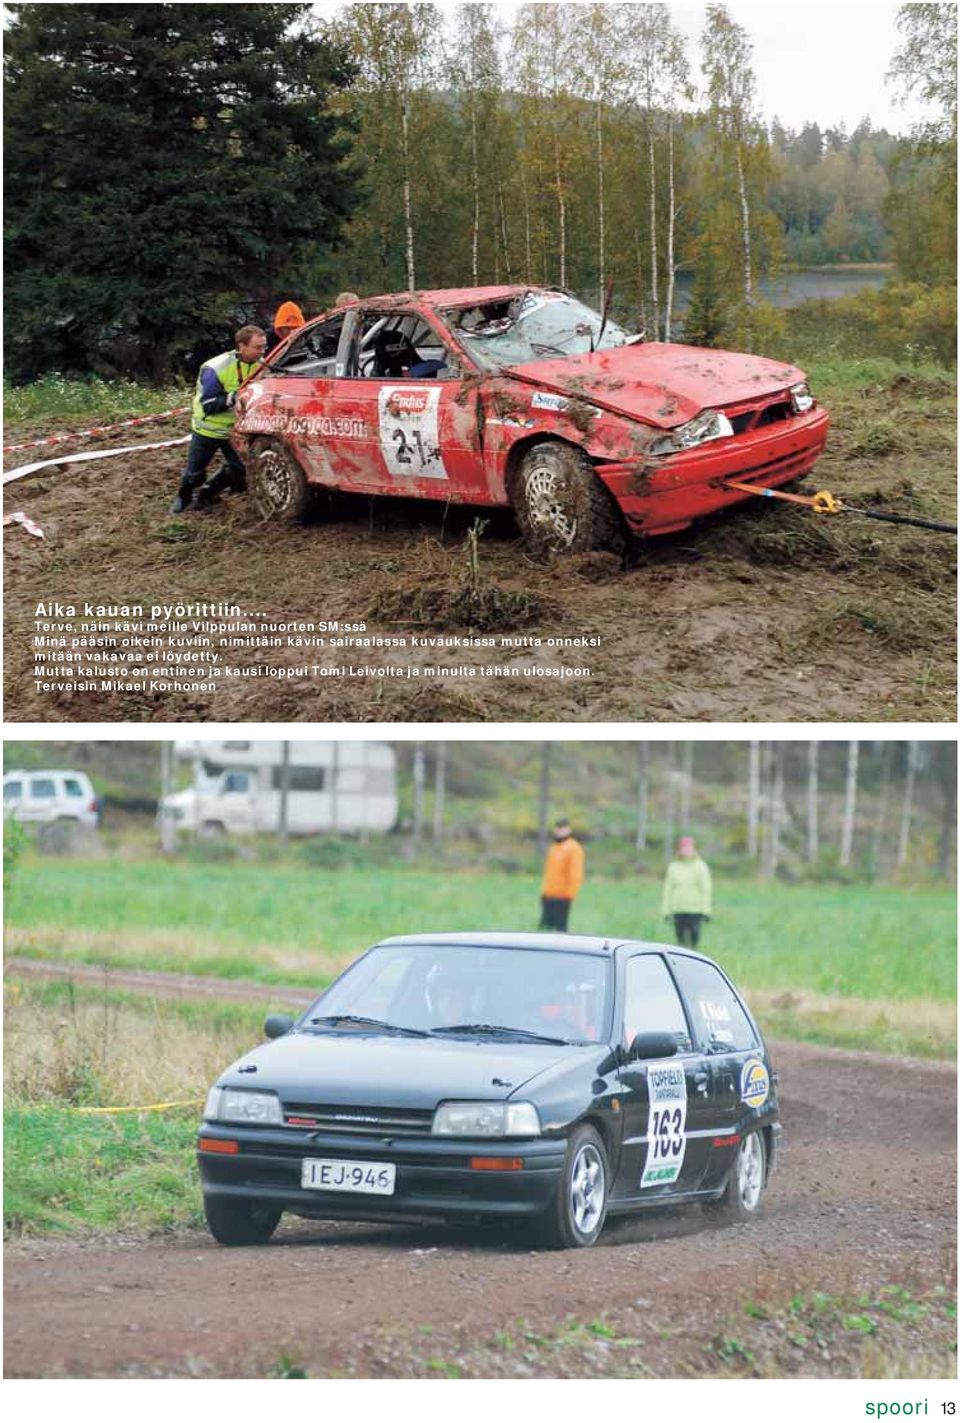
x: 660, y: 496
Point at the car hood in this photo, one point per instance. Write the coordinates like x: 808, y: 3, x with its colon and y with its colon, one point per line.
x: 362, y: 1069
x: 660, y: 383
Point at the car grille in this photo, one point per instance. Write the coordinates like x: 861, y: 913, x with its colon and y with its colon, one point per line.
x: 753, y: 415
x: 397, y: 1121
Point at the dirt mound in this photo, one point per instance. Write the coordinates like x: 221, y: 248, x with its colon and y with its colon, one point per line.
x: 452, y: 590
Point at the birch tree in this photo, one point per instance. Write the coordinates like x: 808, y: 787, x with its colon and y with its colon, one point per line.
x: 650, y: 34
x: 439, y: 790
x: 677, y: 90
x: 396, y: 48
x: 849, y: 805
x: 543, y: 44
x: 475, y: 75
x: 775, y: 810
x: 906, y: 808
x: 686, y: 785
x: 543, y: 817
x: 643, y: 793
x: 731, y: 93
x: 599, y: 33
x: 419, y: 785
x: 753, y: 800
x: 813, y: 801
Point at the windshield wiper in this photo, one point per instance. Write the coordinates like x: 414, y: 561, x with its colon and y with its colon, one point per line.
x: 496, y: 1028
x: 333, y: 1019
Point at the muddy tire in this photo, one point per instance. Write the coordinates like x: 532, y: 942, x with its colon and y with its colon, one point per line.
x: 561, y: 504
x: 238, y: 1222
x: 576, y: 1217
x: 277, y: 483
x: 743, y: 1194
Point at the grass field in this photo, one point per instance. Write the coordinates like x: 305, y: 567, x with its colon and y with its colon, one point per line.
x: 284, y: 924
x: 67, y: 1049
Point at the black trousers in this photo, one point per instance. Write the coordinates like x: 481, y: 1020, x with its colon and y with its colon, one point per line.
x: 201, y: 452
x: 554, y: 913
x: 687, y: 929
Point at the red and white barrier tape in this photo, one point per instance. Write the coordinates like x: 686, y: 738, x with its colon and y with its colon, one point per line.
x: 24, y: 522
x: 96, y: 430
x: 24, y: 469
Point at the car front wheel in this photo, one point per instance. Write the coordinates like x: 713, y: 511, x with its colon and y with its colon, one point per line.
x: 561, y: 504
x: 277, y: 483
x: 743, y: 1193
x: 237, y: 1222
x: 579, y: 1210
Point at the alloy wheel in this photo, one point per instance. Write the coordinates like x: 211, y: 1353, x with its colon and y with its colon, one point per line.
x: 544, y: 498
x: 750, y: 1171
x: 588, y: 1189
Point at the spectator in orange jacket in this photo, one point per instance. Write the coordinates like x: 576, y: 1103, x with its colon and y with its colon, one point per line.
x: 562, y: 878
x: 289, y: 318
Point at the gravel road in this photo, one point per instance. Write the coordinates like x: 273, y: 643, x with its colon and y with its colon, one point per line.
x: 862, y: 1213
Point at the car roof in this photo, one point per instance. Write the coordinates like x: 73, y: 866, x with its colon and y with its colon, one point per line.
x: 498, y: 939
x: 43, y: 771
x: 448, y: 296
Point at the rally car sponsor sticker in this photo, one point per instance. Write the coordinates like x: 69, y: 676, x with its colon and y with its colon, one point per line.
x: 754, y: 1083
x: 545, y: 400
x: 409, y: 431
x: 666, y: 1137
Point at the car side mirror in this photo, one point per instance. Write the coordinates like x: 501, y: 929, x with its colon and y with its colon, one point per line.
x: 651, y: 1045
x: 277, y: 1024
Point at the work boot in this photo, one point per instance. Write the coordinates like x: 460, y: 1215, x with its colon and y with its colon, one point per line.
x: 185, y: 494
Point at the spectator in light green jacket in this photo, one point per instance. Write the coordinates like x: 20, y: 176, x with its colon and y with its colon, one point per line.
x: 687, y: 894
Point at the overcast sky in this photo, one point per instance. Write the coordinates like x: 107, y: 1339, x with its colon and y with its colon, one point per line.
x: 813, y: 60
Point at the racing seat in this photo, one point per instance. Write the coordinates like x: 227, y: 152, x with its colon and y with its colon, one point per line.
x: 394, y: 353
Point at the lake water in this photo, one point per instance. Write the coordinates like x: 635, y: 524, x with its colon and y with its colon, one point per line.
x: 792, y: 288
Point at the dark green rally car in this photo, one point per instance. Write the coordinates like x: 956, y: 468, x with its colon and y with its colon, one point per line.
x: 541, y: 1077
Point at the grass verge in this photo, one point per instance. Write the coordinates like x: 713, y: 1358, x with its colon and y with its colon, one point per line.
x: 275, y: 924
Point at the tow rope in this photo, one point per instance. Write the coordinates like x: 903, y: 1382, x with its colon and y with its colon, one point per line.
x: 96, y: 430
x: 823, y: 502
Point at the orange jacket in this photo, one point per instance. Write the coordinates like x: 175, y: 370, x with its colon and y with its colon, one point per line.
x: 563, y: 872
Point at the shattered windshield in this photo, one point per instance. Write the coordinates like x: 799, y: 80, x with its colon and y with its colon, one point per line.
x: 538, y: 325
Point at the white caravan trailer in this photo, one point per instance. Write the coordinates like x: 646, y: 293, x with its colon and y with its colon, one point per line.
x: 343, y: 787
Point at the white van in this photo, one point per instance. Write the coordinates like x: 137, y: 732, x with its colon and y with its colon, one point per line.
x: 45, y: 796
x: 343, y: 787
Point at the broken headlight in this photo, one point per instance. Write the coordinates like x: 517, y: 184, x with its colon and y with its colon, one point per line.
x: 801, y: 397
x: 708, y: 425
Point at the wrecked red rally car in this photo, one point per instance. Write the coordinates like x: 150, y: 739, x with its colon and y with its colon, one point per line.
x: 520, y: 396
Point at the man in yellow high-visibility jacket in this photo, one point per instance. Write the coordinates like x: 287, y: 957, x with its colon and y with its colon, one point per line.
x: 562, y: 878
x: 213, y: 417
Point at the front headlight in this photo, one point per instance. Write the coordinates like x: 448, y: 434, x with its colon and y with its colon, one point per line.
x: 801, y: 397
x: 486, y: 1119
x: 262, y: 1108
x: 708, y: 425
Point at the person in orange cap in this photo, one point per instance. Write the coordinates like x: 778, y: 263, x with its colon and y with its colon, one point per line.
x: 562, y: 878
x: 289, y: 318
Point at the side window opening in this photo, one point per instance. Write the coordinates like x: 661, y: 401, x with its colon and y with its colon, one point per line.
x: 43, y: 790
x: 13, y: 790
x: 651, y: 1002
x: 72, y: 787
x: 719, y: 1021
x: 314, y: 354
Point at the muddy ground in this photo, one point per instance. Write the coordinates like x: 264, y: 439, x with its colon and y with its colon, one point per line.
x: 765, y: 613
x: 848, y: 1272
